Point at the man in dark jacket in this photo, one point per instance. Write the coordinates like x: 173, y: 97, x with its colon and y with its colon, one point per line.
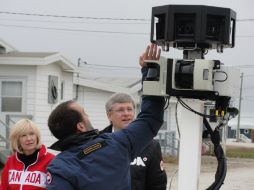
x: 147, y: 171
x: 90, y: 161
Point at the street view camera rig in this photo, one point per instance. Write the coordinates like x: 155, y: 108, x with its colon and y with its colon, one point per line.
x: 195, y: 29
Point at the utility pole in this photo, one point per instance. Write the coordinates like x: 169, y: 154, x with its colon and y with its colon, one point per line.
x: 239, y: 114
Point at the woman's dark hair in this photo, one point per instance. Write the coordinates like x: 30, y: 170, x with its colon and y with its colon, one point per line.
x: 63, y: 120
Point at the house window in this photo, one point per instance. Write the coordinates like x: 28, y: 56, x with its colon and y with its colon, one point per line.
x: 11, y: 96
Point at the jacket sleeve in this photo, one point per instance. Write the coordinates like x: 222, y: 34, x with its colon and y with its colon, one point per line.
x: 57, y: 183
x: 156, y: 177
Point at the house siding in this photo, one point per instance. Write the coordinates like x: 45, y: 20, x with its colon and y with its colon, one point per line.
x: 43, y: 108
x: 67, y: 79
x: 93, y: 101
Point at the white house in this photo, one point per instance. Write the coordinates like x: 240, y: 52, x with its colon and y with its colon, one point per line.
x: 28, y: 83
x: 33, y: 83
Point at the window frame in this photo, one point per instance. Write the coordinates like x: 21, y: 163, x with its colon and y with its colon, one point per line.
x: 23, y: 86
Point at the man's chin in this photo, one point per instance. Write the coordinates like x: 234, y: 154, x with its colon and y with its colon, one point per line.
x: 125, y: 125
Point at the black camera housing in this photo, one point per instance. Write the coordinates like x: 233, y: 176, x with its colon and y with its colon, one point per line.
x: 193, y: 27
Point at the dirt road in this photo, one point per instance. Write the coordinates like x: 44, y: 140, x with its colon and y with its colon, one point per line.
x: 240, y: 174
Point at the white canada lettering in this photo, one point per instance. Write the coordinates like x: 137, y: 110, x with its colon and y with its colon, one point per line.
x: 14, y: 176
x: 35, y: 178
x: 138, y: 161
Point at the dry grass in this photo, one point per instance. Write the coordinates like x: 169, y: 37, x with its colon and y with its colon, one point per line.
x: 231, y: 152
x: 240, y: 152
x: 170, y: 159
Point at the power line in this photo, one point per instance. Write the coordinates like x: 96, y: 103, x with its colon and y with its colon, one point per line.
x: 244, y: 36
x: 249, y: 100
x: 97, y: 66
x: 93, y: 18
x: 245, y: 67
x: 71, y: 22
x: 82, y: 30
x: 247, y: 116
x: 251, y: 97
x: 111, y: 66
x: 245, y: 20
x: 249, y: 75
x: 73, y: 17
x: 74, y: 30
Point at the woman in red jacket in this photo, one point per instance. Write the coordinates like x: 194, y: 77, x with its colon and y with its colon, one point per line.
x: 26, y: 168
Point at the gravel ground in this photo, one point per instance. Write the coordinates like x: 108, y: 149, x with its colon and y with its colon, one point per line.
x: 240, y: 174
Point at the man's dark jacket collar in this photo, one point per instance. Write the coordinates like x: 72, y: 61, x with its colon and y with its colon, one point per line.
x: 74, y: 140
x: 108, y: 129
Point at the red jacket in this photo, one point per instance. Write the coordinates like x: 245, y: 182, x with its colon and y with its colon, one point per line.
x: 15, y: 177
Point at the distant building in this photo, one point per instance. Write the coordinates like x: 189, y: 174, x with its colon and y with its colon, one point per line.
x: 246, y: 128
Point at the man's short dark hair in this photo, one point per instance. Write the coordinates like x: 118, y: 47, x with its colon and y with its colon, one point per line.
x: 63, y: 120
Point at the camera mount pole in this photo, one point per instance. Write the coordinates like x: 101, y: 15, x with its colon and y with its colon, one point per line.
x: 190, y: 145
x: 191, y: 127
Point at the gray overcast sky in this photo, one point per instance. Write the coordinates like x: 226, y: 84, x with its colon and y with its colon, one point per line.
x: 114, y: 42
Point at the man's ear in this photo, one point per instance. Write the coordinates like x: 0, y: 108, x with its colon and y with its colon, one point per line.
x: 109, y: 115
x: 81, y: 127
